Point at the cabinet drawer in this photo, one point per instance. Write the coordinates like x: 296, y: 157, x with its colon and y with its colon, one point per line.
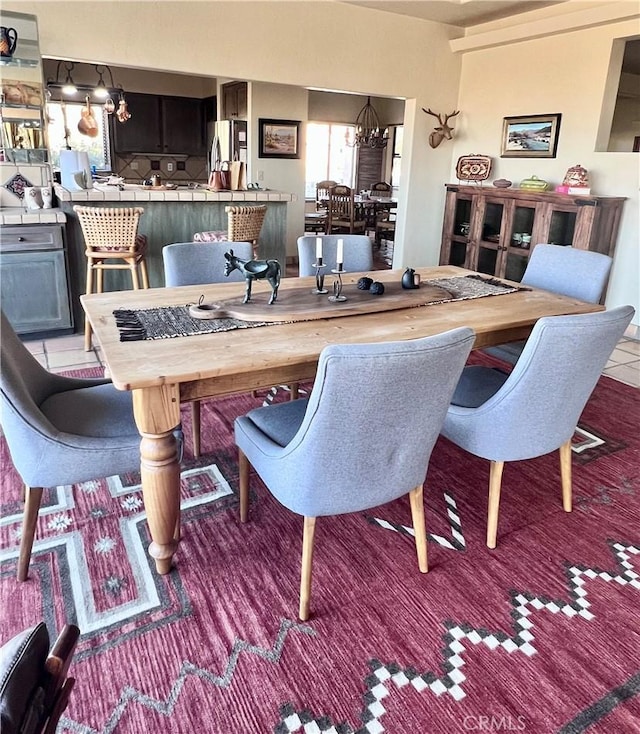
x: 27, y: 237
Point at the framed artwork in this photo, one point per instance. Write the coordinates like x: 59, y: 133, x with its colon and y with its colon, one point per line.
x: 533, y: 136
x: 278, y: 138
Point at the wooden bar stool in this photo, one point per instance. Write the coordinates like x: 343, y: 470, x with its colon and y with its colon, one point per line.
x: 112, y: 242
x: 243, y: 225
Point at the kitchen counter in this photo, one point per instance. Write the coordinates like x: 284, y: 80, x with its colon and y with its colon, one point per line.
x: 20, y: 215
x: 136, y: 192
x: 169, y: 216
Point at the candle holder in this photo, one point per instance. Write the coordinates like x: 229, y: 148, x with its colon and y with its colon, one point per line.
x: 319, y: 289
x: 337, y: 286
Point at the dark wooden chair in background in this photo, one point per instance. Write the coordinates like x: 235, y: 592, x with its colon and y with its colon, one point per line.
x: 343, y: 216
x: 316, y: 221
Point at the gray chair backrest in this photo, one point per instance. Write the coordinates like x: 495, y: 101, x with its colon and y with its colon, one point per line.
x: 358, y: 253
x: 372, y: 419
x: 43, y: 454
x: 195, y: 263
x: 566, y: 270
x: 538, y: 407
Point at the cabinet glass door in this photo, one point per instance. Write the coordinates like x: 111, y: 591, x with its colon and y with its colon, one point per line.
x: 562, y: 227
x: 522, y: 228
x: 460, y: 234
x: 455, y: 230
x: 489, y: 249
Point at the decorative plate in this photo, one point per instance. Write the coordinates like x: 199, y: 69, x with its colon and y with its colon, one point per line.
x: 473, y: 167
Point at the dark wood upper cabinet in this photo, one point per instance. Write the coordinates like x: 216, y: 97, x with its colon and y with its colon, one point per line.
x: 183, y: 125
x: 162, y: 125
x: 234, y: 101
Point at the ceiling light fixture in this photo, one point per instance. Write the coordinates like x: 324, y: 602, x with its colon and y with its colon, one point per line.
x: 368, y: 132
x: 69, y: 88
x: 100, y: 90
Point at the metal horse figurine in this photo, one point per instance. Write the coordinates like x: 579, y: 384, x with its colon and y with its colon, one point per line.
x: 254, y: 270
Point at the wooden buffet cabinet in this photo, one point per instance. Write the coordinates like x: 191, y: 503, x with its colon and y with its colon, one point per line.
x: 484, y: 226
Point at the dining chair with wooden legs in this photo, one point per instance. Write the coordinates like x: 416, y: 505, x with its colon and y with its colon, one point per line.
x: 343, y: 216
x: 534, y: 410
x: 199, y: 263
x: 363, y: 437
x: 560, y: 269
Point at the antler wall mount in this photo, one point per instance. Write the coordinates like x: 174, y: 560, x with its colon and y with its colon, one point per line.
x: 443, y: 131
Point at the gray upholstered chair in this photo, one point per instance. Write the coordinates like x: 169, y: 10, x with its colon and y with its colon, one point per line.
x: 580, y: 274
x: 358, y: 253
x: 199, y: 263
x: 60, y: 430
x: 364, y: 436
x: 534, y: 410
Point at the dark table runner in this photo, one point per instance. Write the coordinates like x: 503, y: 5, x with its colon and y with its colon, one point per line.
x: 168, y: 322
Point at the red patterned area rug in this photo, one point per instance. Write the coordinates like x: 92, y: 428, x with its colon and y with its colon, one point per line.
x: 540, y: 635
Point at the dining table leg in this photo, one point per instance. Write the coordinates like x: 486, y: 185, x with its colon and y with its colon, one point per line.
x: 157, y: 415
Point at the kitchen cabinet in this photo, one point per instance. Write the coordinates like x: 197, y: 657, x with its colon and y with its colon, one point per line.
x: 34, y: 275
x: 493, y: 230
x: 162, y: 125
x: 234, y: 100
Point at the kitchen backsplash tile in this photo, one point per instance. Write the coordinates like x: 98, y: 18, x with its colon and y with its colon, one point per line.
x: 195, y: 168
x: 36, y: 174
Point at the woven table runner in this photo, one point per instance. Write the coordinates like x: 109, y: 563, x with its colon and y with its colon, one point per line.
x: 168, y: 322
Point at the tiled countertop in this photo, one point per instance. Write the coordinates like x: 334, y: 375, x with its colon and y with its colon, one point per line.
x: 20, y: 215
x: 134, y: 192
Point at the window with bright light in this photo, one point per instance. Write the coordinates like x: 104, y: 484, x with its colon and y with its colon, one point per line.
x: 97, y: 147
x: 396, y: 158
x: 328, y: 156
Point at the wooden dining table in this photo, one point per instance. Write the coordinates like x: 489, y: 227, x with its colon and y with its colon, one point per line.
x: 163, y: 373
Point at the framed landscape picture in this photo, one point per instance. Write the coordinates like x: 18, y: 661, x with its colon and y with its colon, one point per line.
x: 278, y: 138
x: 535, y: 136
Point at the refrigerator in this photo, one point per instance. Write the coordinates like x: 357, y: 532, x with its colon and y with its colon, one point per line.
x: 229, y: 142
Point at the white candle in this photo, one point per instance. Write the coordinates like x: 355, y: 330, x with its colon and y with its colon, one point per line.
x: 319, y: 248
x: 340, y: 252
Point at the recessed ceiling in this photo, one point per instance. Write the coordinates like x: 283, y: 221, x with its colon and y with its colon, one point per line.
x: 456, y: 12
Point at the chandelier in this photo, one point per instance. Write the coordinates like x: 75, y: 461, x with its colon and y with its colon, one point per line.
x: 368, y: 132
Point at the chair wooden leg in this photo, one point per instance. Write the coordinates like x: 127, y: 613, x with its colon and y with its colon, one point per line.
x: 33, y: 497
x: 87, y: 325
x: 495, y: 480
x: 307, y: 560
x: 243, y: 465
x: 195, y: 427
x: 565, y: 473
x: 419, y: 529
x: 133, y: 269
x: 294, y: 391
x: 144, y: 273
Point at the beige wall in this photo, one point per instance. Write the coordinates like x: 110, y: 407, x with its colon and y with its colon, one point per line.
x: 329, y: 46
x: 565, y: 74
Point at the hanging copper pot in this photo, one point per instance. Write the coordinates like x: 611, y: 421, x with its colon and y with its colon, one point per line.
x: 123, y: 113
x: 88, y: 125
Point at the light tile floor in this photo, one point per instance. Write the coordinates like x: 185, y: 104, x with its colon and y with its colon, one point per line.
x: 67, y: 353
